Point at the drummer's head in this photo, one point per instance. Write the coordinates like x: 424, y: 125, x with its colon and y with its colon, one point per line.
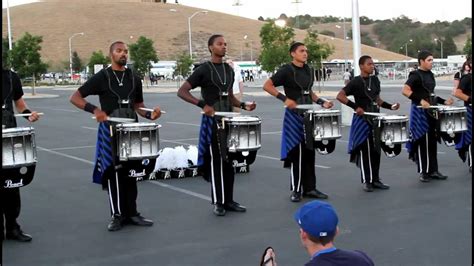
x: 366, y: 64
x: 299, y: 52
x: 217, y: 45
x: 425, y: 59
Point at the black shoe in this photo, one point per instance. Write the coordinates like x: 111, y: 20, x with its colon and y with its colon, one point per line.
x: 368, y: 187
x: 139, y: 220
x: 219, y: 210
x: 295, y: 196
x: 425, y: 178
x: 438, y: 175
x: 234, y: 207
x: 17, y: 234
x: 115, y: 223
x: 315, y: 194
x: 380, y: 185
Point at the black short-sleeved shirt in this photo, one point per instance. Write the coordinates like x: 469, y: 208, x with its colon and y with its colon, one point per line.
x: 296, y: 81
x: 215, y: 80
x: 341, y: 258
x: 466, y: 85
x: 109, y: 95
x: 457, y: 76
x: 422, y: 83
x: 365, y: 90
x: 11, y: 89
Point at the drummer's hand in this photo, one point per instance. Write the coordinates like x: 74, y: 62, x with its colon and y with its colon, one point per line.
x: 328, y: 104
x: 359, y: 111
x: 208, y: 110
x: 156, y: 113
x: 100, y: 115
x: 424, y: 104
x: 395, y: 106
x: 290, y: 104
x: 250, y: 106
x: 33, y: 117
x: 449, y: 101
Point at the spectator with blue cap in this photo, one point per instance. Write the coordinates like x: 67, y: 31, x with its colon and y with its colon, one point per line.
x: 318, y: 228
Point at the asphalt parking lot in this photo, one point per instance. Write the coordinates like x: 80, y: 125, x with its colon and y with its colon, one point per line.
x: 413, y: 223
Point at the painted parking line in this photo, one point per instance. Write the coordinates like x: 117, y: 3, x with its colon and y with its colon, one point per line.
x: 158, y: 183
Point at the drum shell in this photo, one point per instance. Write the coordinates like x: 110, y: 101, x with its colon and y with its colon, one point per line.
x: 394, y: 130
x: 326, y: 124
x: 452, y: 120
x: 18, y: 147
x: 136, y: 141
x: 243, y: 133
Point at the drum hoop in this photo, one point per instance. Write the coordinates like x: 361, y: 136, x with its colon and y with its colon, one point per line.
x: 394, y: 118
x: 325, y: 112
x: 244, y: 121
x: 455, y: 110
x: 17, y: 131
x: 137, y: 126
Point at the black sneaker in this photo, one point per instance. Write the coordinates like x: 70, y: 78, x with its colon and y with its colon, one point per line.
x: 295, y: 196
x: 425, y: 178
x: 18, y: 235
x: 438, y: 175
x: 115, y: 223
x: 368, y: 187
x: 219, y: 210
x: 139, y: 220
x: 234, y: 207
x: 315, y: 194
x: 380, y: 185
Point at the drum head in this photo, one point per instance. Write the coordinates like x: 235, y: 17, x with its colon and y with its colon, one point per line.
x: 137, y: 126
x: 324, y: 112
x: 394, y: 118
x: 243, y: 119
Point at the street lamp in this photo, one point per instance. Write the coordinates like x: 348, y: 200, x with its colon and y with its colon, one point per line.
x: 251, y: 47
x: 439, y: 40
x: 70, y: 50
x: 406, y: 60
x: 189, y: 29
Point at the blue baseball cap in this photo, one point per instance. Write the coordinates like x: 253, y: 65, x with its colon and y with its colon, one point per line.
x: 317, y: 218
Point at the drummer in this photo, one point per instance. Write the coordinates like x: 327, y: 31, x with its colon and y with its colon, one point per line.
x: 215, y: 77
x: 422, y: 147
x: 120, y: 95
x: 464, y: 93
x: 297, y: 80
x: 12, y: 92
x: 364, y: 143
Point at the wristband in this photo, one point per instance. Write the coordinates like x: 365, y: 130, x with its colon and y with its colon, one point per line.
x: 320, y: 101
x: 148, y: 115
x: 242, y: 105
x: 351, y: 104
x: 201, y: 103
x: 415, y: 98
x: 89, y: 108
x: 440, y: 100
x: 281, y: 97
x: 26, y: 111
x: 386, y: 105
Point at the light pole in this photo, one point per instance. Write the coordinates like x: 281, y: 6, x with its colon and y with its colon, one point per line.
x: 189, y: 29
x: 441, y: 42
x: 406, y: 60
x: 10, y: 45
x: 297, y: 2
x: 70, y: 50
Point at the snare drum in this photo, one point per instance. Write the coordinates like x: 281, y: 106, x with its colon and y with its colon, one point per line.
x: 243, y: 133
x: 19, y: 147
x: 452, y: 119
x: 394, y: 129
x: 136, y: 141
x: 325, y: 123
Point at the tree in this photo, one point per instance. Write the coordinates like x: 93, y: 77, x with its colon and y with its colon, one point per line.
x: 316, y: 51
x: 5, y: 54
x: 468, y: 46
x: 183, y: 65
x: 26, y: 59
x: 261, y: 18
x: 275, y: 44
x: 143, y: 53
x: 77, y: 65
x: 97, y: 58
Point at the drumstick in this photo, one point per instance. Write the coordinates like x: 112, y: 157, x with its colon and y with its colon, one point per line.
x: 117, y: 119
x: 433, y: 107
x: 375, y: 114
x: 224, y: 113
x: 150, y: 110
x: 29, y: 114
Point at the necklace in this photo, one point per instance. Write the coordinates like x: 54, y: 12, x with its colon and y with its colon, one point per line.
x: 219, y: 76
x: 120, y: 82
x: 370, y: 81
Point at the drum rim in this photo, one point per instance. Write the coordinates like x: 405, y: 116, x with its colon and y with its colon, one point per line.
x: 322, y: 111
x: 17, y: 129
x: 394, y: 118
x: 143, y: 125
x: 236, y: 118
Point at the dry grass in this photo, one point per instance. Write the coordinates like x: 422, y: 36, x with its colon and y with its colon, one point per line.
x: 104, y: 22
